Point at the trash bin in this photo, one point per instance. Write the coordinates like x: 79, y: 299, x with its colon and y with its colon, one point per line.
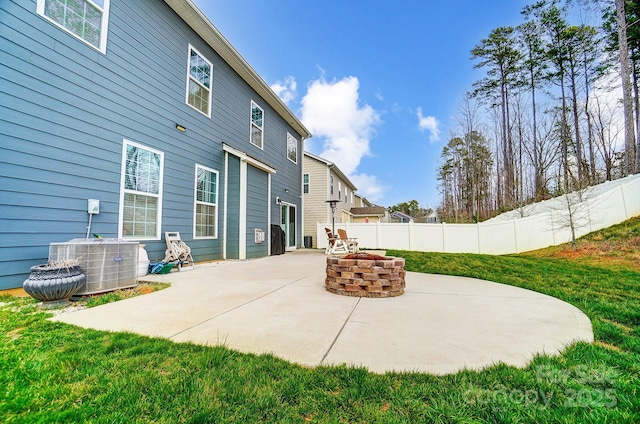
x: 277, y: 240
x: 308, y: 242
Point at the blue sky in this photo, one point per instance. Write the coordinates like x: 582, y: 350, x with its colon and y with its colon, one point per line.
x: 377, y: 82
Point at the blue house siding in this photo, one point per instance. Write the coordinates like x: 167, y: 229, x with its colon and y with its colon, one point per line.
x: 257, y: 215
x: 66, y: 109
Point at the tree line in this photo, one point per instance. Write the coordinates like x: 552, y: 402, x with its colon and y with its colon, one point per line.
x: 557, y: 109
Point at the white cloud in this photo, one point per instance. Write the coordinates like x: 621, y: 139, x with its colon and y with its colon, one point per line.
x: 286, y: 90
x: 369, y: 186
x: 396, y: 108
x: 333, y: 113
x: 430, y: 124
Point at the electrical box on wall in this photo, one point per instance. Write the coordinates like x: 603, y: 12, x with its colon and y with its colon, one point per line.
x: 259, y: 236
x: 93, y: 206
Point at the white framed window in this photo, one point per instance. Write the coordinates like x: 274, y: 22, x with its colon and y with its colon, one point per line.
x: 199, y: 76
x: 292, y: 148
x: 257, y: 125
x: 141, y: 192
x: 339, y: 190
x: 331, y: 185
x: 205, y: 211
x: 84, y: 19
x: 305, y: 183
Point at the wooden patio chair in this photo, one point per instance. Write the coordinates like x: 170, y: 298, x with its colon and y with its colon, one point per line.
x: 335, y: 244
x: 352, y: 243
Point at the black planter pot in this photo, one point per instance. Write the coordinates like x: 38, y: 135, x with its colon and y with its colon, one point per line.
x: 49, y: 283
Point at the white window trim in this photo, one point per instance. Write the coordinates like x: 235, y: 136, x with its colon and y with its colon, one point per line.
x: 295, y: 141
x: 251, y: 124
x: 126, y: 143
x: 189, y: 78
x: 104, y: 25
x: 195, y: 201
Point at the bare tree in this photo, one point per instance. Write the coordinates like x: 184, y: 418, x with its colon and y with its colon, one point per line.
x: 543, y: 155
x: 573, y: 212
x: 606, y: 132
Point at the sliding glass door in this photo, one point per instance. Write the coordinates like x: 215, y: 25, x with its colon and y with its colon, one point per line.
x: 288, y: 224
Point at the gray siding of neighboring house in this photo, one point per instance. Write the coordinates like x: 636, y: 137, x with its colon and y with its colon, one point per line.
x: 257, y: 214
x: 66, y: 108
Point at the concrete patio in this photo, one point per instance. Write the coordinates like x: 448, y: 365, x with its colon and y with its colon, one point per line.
x: 279, y: 305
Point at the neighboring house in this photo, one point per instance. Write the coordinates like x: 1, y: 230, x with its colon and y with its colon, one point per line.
x: 146, y: 107
x: 361, y: 202
x: 401, y: 217
x: 369, y: 214
x: 432, y: 218
x: 365, y: 211
x: 323, y: 181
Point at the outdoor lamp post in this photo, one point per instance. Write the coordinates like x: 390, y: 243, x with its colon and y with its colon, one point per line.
x: 333, y: 203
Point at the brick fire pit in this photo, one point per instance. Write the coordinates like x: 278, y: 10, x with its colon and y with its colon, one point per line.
x: 365, y: 275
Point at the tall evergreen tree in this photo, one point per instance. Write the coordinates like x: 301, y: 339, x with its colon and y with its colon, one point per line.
x: 533, y: 71
x: 499, y: 54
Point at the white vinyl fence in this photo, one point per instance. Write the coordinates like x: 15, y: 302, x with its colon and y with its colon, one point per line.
x: 533, y: 227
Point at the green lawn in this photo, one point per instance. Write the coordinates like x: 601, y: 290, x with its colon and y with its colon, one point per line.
x: 53, y: 372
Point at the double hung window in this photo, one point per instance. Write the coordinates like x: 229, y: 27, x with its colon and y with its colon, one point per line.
x: 199, y: 82
x: 85, y: 19
x: 292, y: 148
x: 257, y: 125
x: 305, y: 183
x: 206, y: 203
x: 141, y: 192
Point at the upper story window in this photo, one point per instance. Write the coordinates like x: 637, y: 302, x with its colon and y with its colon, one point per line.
x: 199, y: 82
x: 331, y: 185
x: 206, y: 203
x: 339, y: 190
x: 141, y: 192
x: 257, y: 124
x: 85, y: 19
x: 305, y: 183
x: 292, y: 148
